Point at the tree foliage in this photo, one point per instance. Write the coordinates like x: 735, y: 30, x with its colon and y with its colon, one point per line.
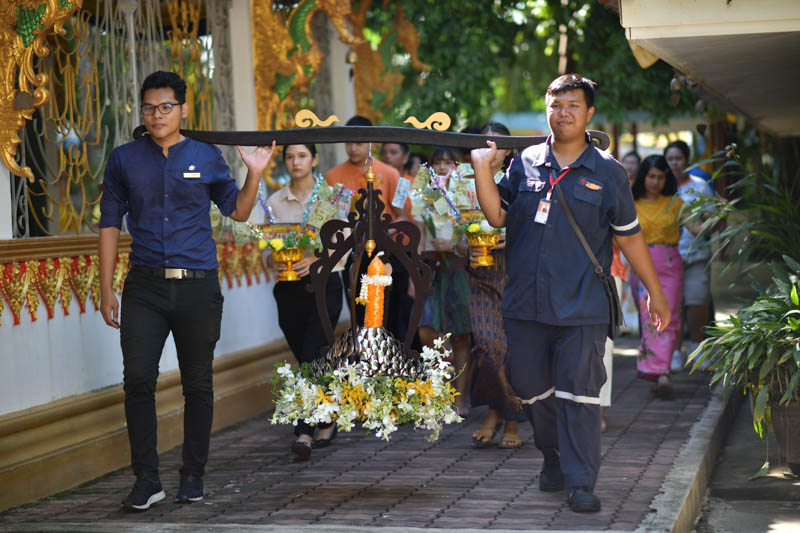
x: 502, y: 54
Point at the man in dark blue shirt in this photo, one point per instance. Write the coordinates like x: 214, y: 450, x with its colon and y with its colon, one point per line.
x: 555, y: 309
x: 164, y: 183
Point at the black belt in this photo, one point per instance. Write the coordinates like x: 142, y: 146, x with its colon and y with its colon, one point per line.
x: 175, y: 273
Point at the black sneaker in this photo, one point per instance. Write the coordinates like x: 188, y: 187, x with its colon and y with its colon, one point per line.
x: 551, y: 479
x: 583, y: 500
x: 145, y: 493
x: 191, y: 489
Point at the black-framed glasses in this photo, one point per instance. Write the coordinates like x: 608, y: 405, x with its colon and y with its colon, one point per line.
x: 165, y: 108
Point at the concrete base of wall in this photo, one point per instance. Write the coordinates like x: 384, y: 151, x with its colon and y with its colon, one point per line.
x: 53, y: 447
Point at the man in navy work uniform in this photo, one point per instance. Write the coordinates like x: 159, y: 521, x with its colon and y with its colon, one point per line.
x: 555, y: 309
x: 165, y: 182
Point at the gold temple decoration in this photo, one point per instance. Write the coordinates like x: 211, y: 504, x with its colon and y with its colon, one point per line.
x: 25, y: 27
x: 185, y: 52
x: 57, y: 280
x: 305, y: 118
x: 376, y: 82
x: 286, y: 58
x: 438, y: 121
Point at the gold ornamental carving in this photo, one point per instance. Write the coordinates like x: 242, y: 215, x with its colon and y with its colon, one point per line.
x: 305, y: 118
x: 437, y: 121
x: 286, y: 58
x: 56, y: 280
x: 25, y: 27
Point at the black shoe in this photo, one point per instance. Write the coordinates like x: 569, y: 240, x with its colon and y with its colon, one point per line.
x: 145, y: 493
x: 191, y: 489
x: 583, y: 500
x: 551, y: 479
x: 324, y: 443
x: 301, y: 451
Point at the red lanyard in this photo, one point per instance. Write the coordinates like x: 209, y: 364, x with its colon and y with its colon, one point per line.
x: 554, y: 183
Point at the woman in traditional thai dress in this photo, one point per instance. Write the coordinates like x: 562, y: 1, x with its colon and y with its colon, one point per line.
x: 297, y: 309
x: 488, y: 384
x: 658, y: 206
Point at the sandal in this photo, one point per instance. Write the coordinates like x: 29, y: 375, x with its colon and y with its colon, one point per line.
x: 484, y: 435
x: 663, y: 387
x: 510, y: 441
x: 510, y: 438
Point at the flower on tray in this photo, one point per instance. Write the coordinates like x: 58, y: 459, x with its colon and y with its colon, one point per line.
x: 289, y: 239
x: 381, y: 403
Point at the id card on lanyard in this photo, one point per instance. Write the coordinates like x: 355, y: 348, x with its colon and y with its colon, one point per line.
x: 543, y: 209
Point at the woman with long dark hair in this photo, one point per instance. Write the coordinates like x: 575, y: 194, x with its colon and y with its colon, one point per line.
x: 658, y: 206
x: 297, y: 308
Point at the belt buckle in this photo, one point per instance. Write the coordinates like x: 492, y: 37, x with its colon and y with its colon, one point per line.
x: 174, y: 273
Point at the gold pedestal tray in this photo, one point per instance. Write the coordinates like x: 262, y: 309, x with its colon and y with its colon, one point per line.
x: 288, y: 256
x: 483, y: 241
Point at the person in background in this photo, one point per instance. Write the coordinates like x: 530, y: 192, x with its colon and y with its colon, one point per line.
x: 298, y: 317
x: 415, y: 160
x: 352, y: 175
x: 658, y: 207
x: 695, y: 252
x: 447, y: 308
x: 488, y: 382
x: 396, y: 155
x: 465, y: 156
x: 630, y: 310
x: 630, y: 162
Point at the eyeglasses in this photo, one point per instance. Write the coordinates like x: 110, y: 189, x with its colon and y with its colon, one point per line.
x: 164, y: 108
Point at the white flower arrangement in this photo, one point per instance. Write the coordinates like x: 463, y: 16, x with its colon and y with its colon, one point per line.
x: 381, y: 403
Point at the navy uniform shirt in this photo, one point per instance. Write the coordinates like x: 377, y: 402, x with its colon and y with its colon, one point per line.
x: 550, y: 277
x: 167, y: 200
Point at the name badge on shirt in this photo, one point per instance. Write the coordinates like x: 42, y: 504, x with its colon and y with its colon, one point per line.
x: 542, y: 211
x: 191, y: 174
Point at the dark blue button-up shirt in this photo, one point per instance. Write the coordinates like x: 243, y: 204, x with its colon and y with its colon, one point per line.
x: 167, y: 200
x: 550, y: 277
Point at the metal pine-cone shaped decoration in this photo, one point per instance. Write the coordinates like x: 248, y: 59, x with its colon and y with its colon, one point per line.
x: 376, y: 353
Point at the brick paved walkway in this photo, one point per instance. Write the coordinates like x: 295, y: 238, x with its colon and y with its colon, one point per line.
x: 408, y: 481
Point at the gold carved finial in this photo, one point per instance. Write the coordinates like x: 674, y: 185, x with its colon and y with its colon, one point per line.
x: 305, y: 118
x: 438, y: 121
x: 369, y: 247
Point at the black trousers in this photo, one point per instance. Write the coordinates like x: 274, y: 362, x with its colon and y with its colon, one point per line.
x: 301, y: 323
x: 191, y: 309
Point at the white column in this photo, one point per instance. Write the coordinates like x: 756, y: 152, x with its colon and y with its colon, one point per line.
x: 6, y: 213
x: 342, y: 86
x: 244, y: 94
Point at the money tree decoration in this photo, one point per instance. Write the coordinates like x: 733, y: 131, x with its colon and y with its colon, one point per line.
x: 366, y: 375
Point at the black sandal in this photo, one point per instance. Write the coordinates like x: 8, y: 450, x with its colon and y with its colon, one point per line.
x: 301, y: 451
x: 324, y: 443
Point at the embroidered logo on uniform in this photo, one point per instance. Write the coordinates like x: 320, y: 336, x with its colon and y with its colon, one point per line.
x: 535, y: 182
x: 592, y: 186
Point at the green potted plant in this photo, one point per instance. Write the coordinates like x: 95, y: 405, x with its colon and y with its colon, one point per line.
x: 757, y: 351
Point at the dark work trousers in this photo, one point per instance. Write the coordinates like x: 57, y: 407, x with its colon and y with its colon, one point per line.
x: 557, y: 372
x: 301, y: 324
x: 191, y: 309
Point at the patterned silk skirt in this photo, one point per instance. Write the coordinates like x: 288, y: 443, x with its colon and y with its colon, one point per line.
x: 489, y: 385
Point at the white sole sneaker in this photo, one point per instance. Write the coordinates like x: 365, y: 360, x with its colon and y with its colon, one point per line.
x: 157, y: 497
